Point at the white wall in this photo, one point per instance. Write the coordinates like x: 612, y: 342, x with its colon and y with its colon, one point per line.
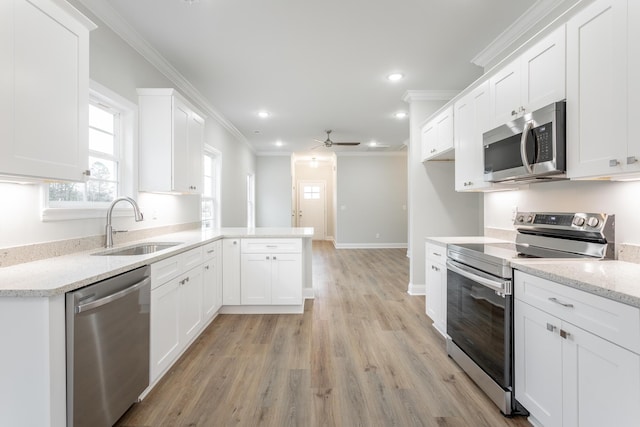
x: 619, y: 198
x: 371, y: 199
x: 273, y: 191
x: 118, y: 67
x: 435, y: 209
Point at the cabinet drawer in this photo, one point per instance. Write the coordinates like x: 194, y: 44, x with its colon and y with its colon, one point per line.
x: 611, y: 320
x: 212, y: 249
x: 165, y: 270
x: 191, y: 258
x: 271, y: 245
x: 436, y: 253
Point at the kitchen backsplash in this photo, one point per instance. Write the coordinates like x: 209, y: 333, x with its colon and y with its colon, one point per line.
x: 37, y: 251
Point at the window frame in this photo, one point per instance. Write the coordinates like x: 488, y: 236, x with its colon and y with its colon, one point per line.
x: 127, y: 159
x: 216, y: 157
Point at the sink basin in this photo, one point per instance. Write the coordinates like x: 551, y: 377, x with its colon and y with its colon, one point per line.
x: 139, y: 249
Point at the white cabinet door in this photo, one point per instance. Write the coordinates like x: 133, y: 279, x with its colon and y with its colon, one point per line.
x: 436, y: 289
x: 286, y: 279
x: 543, y: 70
x: 538, y: 363
x: 601, y: 381
x: 429, y: 140
x: 212, y: 276
x: 255, y: 279
x: 597, y: 90
x: 170, y: 146
x: 437, y: 136
x: 180, y: 148
x: 44, y: 90
x: 534, y: 79
x: 505, y: 94
x: 633, y: 106
x: 164, y: 320
x: 190, y: 305
x: 231, y: 272
x: 471, y: 117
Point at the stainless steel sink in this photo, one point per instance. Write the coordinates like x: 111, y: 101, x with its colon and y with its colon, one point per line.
x: 139, y: 249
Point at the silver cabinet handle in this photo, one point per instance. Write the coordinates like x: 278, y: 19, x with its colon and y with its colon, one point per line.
x: 274, y: 258
x: 206, y: 267
x: 564, y: 334
x: 564, y: 304
x: 433, y: 267
x: 550, y: 327
x: 112, y: 297
x: 613, y: 163
x: 523, y: 146
x: 513, y: 112
x: 436, y: 254
x: 631, y: 160
x: 267, y: 257
x: 211, y: 251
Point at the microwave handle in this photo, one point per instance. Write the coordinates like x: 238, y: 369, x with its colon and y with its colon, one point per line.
x: 523, y: 146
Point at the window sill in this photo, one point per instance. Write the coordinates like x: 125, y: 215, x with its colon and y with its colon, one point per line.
x: 69, y: 214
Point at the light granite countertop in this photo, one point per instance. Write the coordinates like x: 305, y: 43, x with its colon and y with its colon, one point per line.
x: 615, y: 280
x: 54, y: 276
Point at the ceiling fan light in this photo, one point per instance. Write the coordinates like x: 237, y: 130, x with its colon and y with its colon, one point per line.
x: 279, y: 143
x: 263, y: 114
x: 394, y: 77
x: 400, y: 115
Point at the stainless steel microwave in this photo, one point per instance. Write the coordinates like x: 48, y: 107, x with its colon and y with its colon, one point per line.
x: 531, y: 148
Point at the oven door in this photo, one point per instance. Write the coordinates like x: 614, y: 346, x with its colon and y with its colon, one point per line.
x: 479, y: 319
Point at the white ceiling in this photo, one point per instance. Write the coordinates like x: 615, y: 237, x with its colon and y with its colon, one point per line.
x: 317, y: 65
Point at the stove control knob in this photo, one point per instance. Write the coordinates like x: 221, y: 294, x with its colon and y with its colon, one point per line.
x: 578, y: 221
x: 593, y: 222
x: 530, y: 218
x: 520, y: 218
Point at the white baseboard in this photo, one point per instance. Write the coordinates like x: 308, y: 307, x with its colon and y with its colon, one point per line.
x: 262, y: 309
x: 370, y: 245
x: 307, y: 293
x: 417, y: 289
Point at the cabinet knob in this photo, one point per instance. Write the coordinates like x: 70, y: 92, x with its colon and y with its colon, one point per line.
x: 514, y: 112
x: 613, y: 163
x: 267, y: 257
x: 550, y: 327
x: 631, y: 160
x: 564, y: 334
x: 206, y: 267
x: 433, y: 150
x: 274, y: 258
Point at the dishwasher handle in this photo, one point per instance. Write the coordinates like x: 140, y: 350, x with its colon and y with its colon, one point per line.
x: 500, y: 286
x: 113, y: 297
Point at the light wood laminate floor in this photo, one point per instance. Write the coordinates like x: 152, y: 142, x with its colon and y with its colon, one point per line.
x: 362, y: 354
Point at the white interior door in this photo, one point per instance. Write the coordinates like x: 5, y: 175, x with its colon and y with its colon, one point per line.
x: 311, y: 207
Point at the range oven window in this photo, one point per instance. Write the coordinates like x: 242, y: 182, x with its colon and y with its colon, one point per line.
x: 477, y: 321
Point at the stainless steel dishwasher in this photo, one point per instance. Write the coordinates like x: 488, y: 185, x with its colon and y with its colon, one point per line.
x: 107, y: 348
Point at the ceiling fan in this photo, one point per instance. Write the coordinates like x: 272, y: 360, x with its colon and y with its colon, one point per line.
x: 328, y: 143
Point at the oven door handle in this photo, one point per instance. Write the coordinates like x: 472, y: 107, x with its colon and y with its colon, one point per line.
x: 502, y: 287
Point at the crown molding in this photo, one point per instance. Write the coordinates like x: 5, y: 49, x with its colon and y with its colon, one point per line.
x: 538, y: 11
x: 107, y: 14
x: 429, y: 95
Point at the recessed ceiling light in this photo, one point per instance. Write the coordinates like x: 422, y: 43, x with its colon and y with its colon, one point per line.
x: 279, y: 143
x: 372, y: 144
x: 394, y: 77
x: 263, y: 114
x: 400, y: 115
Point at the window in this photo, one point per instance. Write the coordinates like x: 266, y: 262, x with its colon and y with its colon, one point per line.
x: 251, y: 200
x: 110, y: 161
x: 211, y: 193
x: 311, y: 192
x: 102, y: 183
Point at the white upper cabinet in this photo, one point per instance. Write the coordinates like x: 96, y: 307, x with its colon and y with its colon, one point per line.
x: 171, y: 143
x: 437, y: 136
x: 534, y: 79
x: 471, y: 117
x: 603, y: 53
x: 44, y: 90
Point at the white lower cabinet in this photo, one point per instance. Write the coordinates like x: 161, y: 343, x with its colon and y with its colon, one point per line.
x: 436, y: 291
x: 231, y: 272
x: 271, y: 272
x: 212, y: 276
x: 176, y: 315
x: 566, y: 374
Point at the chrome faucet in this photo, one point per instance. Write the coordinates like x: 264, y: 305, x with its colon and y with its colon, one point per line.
x: 109, y: 229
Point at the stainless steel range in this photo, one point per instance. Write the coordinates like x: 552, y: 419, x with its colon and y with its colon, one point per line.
x: 479, y: 291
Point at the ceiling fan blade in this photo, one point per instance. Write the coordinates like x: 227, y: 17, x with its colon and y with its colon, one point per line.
x: 317, y: 140
x: 346, y: 143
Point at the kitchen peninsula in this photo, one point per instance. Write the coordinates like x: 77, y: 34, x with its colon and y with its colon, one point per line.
x: 32, y: 308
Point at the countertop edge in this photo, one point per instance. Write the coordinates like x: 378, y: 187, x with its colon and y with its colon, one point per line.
x: 127, y: 263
